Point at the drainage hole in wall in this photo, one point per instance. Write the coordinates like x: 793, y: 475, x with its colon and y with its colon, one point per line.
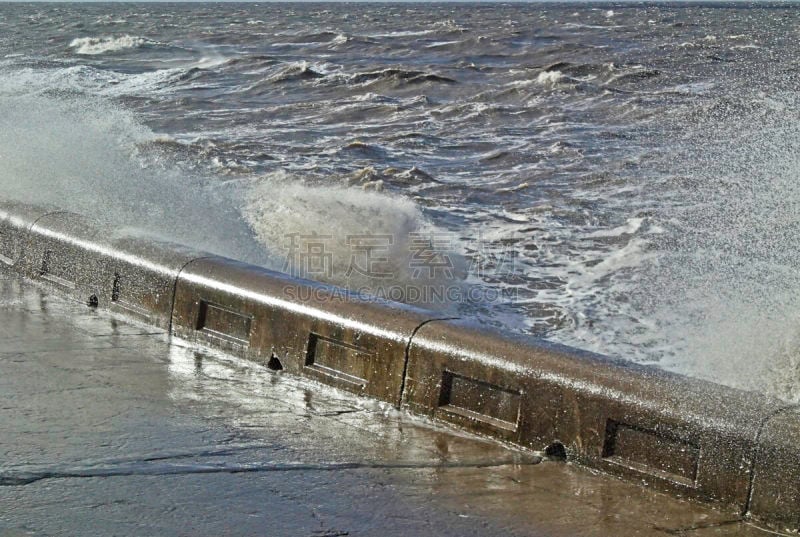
x: 275, y: 364
x: 556, y: 452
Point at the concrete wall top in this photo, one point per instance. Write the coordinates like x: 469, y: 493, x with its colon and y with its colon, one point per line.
x: 16, y: 218
x: 326, y: 333
x: 306, y: 297
x: 70, y: 226
x: 644, y: 386
x: 23, y: 214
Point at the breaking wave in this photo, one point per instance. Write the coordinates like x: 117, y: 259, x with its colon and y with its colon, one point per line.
x: 361, y: 240
x: 101, y: 45
x: 87, y: 155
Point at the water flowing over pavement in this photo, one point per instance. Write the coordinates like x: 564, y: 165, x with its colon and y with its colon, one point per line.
x: 112, y: 428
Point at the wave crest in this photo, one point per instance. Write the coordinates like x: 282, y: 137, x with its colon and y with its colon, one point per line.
x: 92, y: 46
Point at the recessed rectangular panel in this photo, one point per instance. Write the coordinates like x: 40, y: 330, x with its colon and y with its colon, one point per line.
x: 651, y: 452
x: 481, y: 401
x: 339, y: 359
x: 223, y: 323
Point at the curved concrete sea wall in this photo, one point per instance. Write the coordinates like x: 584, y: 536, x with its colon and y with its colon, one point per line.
x: 684, y: 436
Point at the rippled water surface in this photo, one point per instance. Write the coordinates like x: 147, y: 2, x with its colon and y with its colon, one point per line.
x: 622, y: 178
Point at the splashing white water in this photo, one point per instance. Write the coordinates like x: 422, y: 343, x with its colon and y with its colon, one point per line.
x: 703, y: 278
x: 362, y: 240
x: 549, y: 78
x: 725, y: 287
x: 92, y: 46
x: 86, y: 155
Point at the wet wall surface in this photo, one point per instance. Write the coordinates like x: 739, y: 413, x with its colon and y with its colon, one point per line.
x: 113, y: 428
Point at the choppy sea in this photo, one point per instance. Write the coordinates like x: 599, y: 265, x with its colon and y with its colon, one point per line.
x: 618, y: 177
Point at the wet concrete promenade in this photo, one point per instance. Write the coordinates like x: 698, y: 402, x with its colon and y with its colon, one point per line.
x: 112, y: 428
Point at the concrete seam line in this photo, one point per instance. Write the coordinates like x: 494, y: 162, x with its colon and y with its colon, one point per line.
x: 175, y: 289
x: 25, y: 246
x: 22, y: 479
x: 775, y: 493
x: 45, y: 215
x: 408, y: 350
x: 757, y: 453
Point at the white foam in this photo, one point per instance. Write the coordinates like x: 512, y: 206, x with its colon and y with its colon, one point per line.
x: 749, y: 46
x: 209, y: 62
x: 102, y: 45
x: 632, y: 225
x: 402, y: 33
x: 549, y: 78
x: 437, y: 44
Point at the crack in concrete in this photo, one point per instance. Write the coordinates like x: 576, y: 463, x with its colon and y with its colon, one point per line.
x: 696, y: 527
x: 177, y: 454
x: 61, y: 350
x: 767, y: 530
x: 27, y: 478
x: 129, y: 335
x: 334, y: 413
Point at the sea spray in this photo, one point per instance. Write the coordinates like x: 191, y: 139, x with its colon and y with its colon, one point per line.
x: 92, y: 157
x: 82, y: 154
x: 374, y: 242
x: 725, y: 284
